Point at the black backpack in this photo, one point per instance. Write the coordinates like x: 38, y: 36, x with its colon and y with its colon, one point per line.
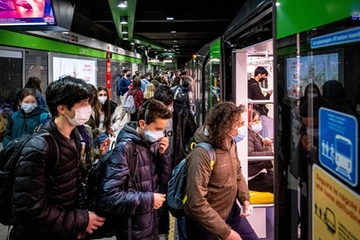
x: 176, y: 196
x: 91, y: 192
x: 9, y: 158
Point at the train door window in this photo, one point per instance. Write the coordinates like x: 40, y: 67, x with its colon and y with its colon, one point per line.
x: 36, y: 65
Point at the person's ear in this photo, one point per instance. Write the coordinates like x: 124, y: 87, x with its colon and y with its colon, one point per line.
x: 142, y: 124
x: 61, y: 109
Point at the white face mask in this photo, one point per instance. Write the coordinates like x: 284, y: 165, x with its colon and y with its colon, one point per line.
x: 153, y: 136
x: 28, y: 108
x: 102, y: 99
x: 256, y: 127
x: 312, y: 131
x: 82, y: 115
x: 312, y: 95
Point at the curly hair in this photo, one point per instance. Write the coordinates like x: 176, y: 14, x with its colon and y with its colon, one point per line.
x: 221, y: 119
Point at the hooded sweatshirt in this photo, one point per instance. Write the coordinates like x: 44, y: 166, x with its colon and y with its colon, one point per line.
x: 212, y: 194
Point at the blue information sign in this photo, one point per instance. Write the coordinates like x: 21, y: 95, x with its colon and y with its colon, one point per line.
x: 338, y: 144
x: 342, y: 37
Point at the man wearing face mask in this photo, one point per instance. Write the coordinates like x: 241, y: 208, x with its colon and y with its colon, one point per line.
x: 180, y: 131
x: 49, y: 209
x: 123, y: 84
x: 27, y: 118
x: 212, y: 194
x: 153, y: 169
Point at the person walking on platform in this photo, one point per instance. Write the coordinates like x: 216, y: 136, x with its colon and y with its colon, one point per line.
x: 180, y: 131
x: 211, y: 207
x: 123, y: 84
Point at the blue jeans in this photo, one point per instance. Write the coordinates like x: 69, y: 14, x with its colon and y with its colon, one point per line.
x: 181, y: 228
x: 239, y: 224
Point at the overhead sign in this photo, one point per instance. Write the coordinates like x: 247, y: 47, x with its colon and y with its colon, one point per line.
x: 338, y: 144
x: 337, y: 38
x: 335, y: 208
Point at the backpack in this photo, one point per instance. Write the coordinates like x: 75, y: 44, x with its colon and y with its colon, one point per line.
x: 9, y: 158
x: 184, y: 97
x: 176, y: 196
x: 91, y: 190
x: 129, y: 104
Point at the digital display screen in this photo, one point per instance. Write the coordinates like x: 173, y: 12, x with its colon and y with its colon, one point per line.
x: 26, y: 12
x: 79, y: 68
x: 317, y: 69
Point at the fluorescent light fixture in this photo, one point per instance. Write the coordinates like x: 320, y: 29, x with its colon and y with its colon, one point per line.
x: 125, y: 36
x: 123, y: 19
x: 122, y: 3
x: 124, y: 30
x: 173, y: 32
x: 169, y: 18
x: 132, y: 43
x: 277, y: 4
x: 174, y: 40
x: 176, y: 46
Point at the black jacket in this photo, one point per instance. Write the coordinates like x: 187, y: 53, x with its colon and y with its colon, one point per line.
x: 152, y: 169
x: 46, y: 207
x: 184, y: 128
x: 254, y: 92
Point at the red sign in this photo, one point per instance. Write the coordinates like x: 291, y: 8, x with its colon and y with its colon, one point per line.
x: 108, y: 76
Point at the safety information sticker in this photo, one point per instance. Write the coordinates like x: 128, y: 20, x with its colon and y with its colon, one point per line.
x: 335, y: 208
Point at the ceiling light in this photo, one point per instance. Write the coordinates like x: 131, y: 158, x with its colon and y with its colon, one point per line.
x: 125, y: 36
x: 124, y: 30
x: 123, y: 19
x: 174, y: 40
x: 176, y: 46
x: 132, y: 43
x: 169, y: 18
x: 122, y: 3
x: 173, y: 32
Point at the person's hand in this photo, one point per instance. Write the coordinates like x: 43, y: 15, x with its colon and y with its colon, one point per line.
x: 81, y: 235
x: 24, y: 4
x: 104, y: 146
x: 95, y: 222
x: 233, y: 236
x: 267, y: 141
x: 270, y: 92
x: 159, y: 199
x: 164, y: 143
x: 307, y: 142
x: 246, y: 205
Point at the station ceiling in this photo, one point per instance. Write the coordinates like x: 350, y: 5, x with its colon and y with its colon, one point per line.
x: 195, y: 23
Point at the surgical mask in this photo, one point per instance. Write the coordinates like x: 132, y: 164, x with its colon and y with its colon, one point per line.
x: 102, y: 99
x: 256, y: 127
x: 148, y: 78
x: 28, y: 108
x: 82, y: 115
x: 128, y: 75
x: 241, y: 134
x: 312, y: 95
x: 153, y: 136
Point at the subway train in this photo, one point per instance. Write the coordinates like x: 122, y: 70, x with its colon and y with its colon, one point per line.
x: 311, y: 51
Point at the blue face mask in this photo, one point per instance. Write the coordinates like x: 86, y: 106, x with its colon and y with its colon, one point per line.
x: 28, y: 108
x: 242, y: 131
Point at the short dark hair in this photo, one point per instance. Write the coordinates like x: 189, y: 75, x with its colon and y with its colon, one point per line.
x: 164, y: 94
x: 67, y: 91
x: 152, y: 110
x: 261, y: 70
x: 136, y: 83
x: 125, y: 70
x: 183, y: 73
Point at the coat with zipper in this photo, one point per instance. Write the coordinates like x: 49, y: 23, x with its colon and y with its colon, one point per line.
x: 152, y: 170
x: 45, y: 205
x: 211, y: 194
x: 21, y: 123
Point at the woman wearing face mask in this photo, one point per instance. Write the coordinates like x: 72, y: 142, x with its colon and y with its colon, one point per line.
x: 138, y: 95
x: 27, y: 118
x: 104, y: 116
x: 211, y: 208
x: 260, y: 173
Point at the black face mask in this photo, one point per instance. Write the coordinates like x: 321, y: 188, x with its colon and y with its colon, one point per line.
x: 128, y: 75
x: 262, y: 79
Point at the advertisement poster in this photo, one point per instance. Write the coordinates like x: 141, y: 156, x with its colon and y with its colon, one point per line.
x: 79, y: 68
x: 316, y: 69
x: 335, y: 208
x: 108, y: 76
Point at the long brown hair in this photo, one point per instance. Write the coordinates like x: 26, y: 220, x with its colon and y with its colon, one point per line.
x: 105, y: 108
x: 220, y: 120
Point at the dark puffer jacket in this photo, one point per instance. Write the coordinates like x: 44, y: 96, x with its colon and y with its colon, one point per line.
x: 44, y: 208
x: 152, y: 169
x: 257, y: 148
x: 184, y: 128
